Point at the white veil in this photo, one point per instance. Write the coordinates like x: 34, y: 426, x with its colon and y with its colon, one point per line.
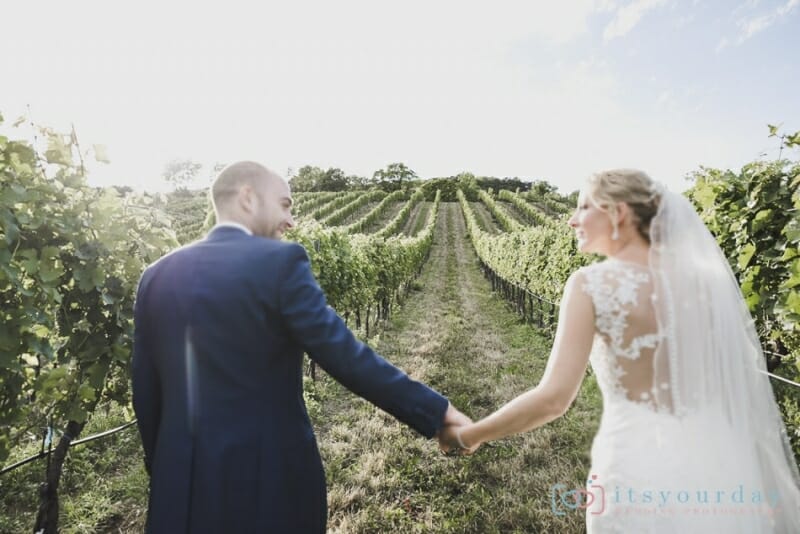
x: 710, y: 355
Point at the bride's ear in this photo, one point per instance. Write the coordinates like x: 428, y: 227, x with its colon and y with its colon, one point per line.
x: 623, y: 212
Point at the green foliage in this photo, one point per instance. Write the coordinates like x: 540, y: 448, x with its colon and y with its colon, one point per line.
x: 337, y: 202
x: 188, y: 212
x: 358, y: 271
x: 367, y: 220
x: 333, y: 179
x: 310, y: 178
x: 754, y: 216
x: 70, y: 259
x: 572, y: 199
x: 552, y: 203
x: 533, y: 214
x: 539, y: 259
x: 308, y: 202
x: 392, y: 177
x: 506, y: 221
x: 448, y: 188
x: 503, y: 184
x: 306, y: 179
x: 396, y: 225
x: 542, y: 188
x: 787, y: 140
x: 103, y: 488
x: 469, y: 184
x: 348, y: 209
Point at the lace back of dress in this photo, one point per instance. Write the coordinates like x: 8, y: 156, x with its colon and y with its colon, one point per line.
x: 628, y: 334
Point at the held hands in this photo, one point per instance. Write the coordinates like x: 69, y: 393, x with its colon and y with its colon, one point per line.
x: 450, y: 440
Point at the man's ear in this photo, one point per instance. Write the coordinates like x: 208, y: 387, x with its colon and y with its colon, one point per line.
x: 246, y: 198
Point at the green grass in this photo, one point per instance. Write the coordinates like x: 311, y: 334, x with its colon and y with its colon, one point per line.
x: 103, y: 484
x: 419, y: 217
x: 485, y: 218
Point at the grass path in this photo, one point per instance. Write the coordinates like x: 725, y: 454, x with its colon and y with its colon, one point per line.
x: 356, y: 215
x: 417, y: 219
x: 515, y: 213
x: 455, y: 335
x: 385, y: 217
x: 485, y: 218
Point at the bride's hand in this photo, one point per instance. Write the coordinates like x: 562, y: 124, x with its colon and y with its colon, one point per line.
x: 450, y: 440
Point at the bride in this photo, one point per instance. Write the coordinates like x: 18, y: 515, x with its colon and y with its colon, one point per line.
x: 691, y: 439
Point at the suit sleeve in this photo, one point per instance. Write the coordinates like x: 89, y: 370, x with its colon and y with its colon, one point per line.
x: 328, y: 341
x: 146, y: 387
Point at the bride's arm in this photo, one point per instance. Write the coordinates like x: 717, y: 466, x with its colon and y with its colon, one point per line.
x: 562, y: 378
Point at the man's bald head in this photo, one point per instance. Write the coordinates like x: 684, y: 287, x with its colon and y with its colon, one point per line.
x: 230, y: 180
x: 251, y: 194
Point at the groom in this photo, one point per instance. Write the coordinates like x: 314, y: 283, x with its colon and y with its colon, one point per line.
x: 220, y: 330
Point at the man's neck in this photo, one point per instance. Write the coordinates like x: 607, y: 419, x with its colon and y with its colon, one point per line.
x: 234, y: 224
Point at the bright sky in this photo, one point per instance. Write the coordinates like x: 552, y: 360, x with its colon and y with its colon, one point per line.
x: 549, y: 90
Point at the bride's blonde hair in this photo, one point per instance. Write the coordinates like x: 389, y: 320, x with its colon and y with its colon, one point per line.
x: 633, y: 187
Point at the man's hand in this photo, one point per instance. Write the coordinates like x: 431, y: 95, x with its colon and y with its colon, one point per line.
x: 453, y: 421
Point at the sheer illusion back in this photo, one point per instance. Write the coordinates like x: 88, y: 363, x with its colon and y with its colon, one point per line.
x: 644, y: 446
x: 627, y: 334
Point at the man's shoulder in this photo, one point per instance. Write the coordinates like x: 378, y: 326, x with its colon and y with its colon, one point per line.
x: 253, y: 248
x: 166, y: 258
x: 274, y: 246
x: 264, y: 251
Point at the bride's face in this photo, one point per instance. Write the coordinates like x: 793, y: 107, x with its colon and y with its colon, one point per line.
x: 592, y: 227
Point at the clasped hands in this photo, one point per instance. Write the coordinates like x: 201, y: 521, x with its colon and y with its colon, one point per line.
x: 449, y: 435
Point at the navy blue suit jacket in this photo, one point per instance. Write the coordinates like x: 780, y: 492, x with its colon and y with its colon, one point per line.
x: 220, y: 330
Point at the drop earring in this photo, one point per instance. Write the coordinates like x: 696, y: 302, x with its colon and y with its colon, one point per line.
x: 615, y: 234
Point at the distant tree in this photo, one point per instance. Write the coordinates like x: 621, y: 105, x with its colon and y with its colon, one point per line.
x: 180, y: 172
x: 497, y: 184
x: 310, y: 178
x: 306, y: 178
x: 447, y: 186
x: 333, y: 180
x: 572, y: 198
x: 391, y: 178
x: 543, y: 188
x: 358, y: 182
x: 467, y: 181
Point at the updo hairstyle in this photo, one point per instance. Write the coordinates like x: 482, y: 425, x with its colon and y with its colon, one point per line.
x: 633, y: 187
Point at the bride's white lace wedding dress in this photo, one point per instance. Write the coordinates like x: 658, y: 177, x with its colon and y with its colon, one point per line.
x: 657, y: 468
